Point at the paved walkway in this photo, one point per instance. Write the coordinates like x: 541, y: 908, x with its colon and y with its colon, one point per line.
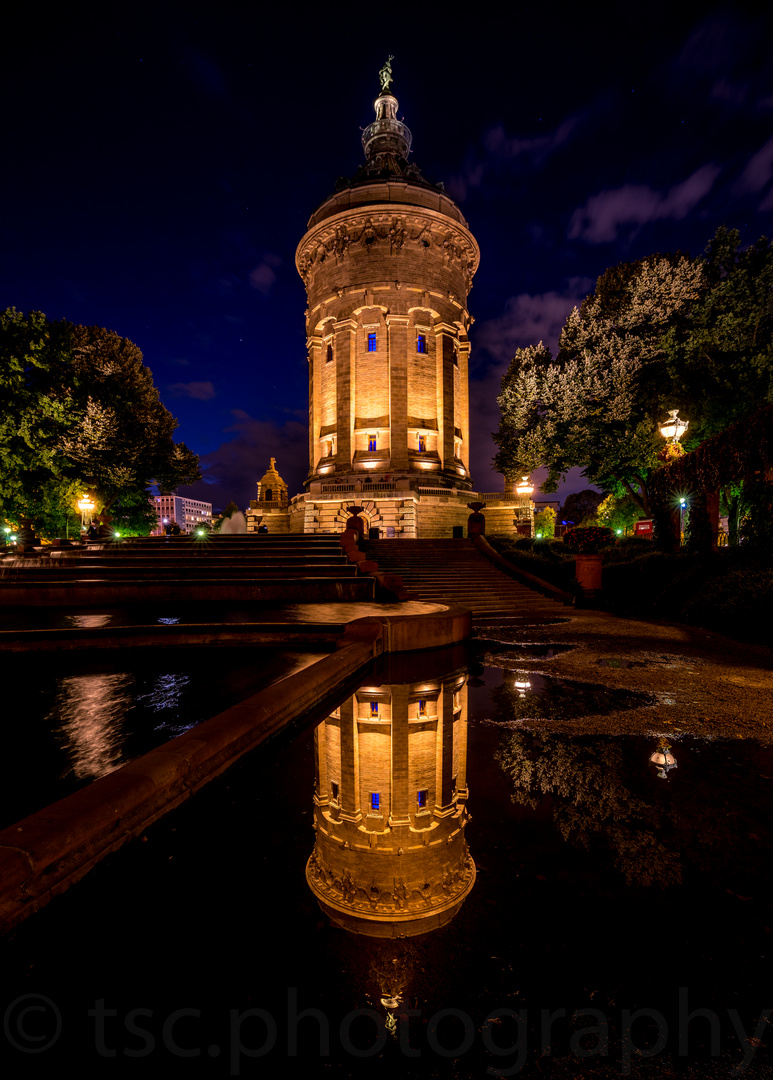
x: 699, y: 682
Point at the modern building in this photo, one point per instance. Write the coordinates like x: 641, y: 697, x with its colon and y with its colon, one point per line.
x: 175, y: 510
x: 388, y: 261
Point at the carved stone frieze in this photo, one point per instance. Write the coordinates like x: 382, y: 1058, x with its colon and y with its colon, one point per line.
x: 343, y: 890
x: 377, y: 229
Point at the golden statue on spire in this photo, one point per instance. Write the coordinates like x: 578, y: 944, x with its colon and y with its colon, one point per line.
x: 385, y: 75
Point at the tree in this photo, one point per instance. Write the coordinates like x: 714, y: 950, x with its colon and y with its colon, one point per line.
x: 617, y: 514
x: 545, y: 523
x: 82, y: 413
x: 229, y: 511
x: 664, y: 332
x: 580, y: 505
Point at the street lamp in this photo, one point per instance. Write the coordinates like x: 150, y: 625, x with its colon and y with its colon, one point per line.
x: 523, y: 491
x: 525, y: 488
x: 86, y: 506
x: 674, y: 428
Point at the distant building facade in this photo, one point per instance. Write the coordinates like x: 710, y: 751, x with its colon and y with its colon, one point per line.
x: 268, y: 513
x: 176, y: 510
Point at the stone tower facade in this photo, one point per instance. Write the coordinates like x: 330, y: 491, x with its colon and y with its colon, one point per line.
x: 388, y: 262
x: 390, y: 808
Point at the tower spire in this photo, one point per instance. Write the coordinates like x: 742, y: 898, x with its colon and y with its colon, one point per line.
x: 387, y: 134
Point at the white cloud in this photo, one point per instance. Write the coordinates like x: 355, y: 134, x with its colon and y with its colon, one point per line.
x: 199, y: 391
x: 605, y: 215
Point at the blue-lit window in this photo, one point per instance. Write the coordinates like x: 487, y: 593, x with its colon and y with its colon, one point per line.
x: 374, y: 709
x: 421, y: 343
x: 422, y: 708
x: 422, y: 443
x: 371, y: 342
x: 422, y: 798
x: 375, y: 800
x: 371, y: 442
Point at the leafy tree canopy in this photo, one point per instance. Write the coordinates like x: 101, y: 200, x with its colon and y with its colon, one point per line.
x: 580, y: 505
x: 662, y: 333
x: 81, y: 411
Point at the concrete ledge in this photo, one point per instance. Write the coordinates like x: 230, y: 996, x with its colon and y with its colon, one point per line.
x: 533, y: 582
x: 248, y: 590
x: 177, y: 636
x: 45, y: 853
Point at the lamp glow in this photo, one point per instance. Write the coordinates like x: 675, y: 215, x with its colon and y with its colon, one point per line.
x: 525, y: 488
x: 674, y: 428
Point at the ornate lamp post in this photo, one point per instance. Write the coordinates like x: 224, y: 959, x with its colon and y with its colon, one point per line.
x: 673, y: 429
x: 86, y: 505
x: 523, y: 491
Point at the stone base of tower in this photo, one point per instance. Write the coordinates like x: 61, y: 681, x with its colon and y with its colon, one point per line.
x: 411, y: 514
x: 276, y: 521
x: 397, y: 923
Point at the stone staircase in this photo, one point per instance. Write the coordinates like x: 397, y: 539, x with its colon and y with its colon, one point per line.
x: 238, y: 569
x: 455, y: 572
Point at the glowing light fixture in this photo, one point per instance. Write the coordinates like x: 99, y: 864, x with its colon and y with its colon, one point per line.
x: 87, y: 506
x: 525, y: 488
x: 674, y: 428
x: 663, y: 759
x: 522, y: 683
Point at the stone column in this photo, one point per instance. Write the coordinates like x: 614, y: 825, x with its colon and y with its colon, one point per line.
x: 397, y: 344
x: 345, y: 331
x: 401, y: 803
x: 460, y: 733
x: 446, y: 353
x: 350, y: 764
x: 445, y: 751
x: 315, y: 401
x: 464, y: 404
x: 320, y: 763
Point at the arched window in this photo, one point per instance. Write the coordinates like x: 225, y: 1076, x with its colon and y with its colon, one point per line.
x: 269, y: 495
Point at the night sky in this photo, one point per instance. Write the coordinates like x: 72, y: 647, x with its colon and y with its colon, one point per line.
x: 161, y: 163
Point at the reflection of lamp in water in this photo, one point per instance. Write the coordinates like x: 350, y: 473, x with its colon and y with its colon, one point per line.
x: 522, y: 683
x: 664, y: 759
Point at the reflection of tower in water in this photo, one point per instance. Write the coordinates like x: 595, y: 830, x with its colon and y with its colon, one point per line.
x: 390, y: 809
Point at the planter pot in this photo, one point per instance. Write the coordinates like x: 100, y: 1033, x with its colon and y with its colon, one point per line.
x: 588, y: 573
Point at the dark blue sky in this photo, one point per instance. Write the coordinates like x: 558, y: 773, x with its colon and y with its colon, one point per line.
x: 161, y: 163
